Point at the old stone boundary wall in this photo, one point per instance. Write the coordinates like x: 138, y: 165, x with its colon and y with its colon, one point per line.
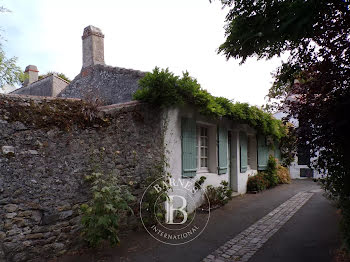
x: 47, y: 146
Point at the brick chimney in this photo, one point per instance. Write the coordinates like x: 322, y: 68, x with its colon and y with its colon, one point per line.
x: 32, y: 73
x: 93, y: 46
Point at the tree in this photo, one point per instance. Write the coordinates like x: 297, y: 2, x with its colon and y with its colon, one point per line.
x: 10, y: 73
x: 313, y: 83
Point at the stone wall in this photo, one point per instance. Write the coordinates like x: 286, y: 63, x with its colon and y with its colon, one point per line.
x: 42, y: 167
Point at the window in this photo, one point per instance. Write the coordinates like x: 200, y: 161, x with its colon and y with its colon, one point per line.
x: 202, y: 147
x: 303, y: 154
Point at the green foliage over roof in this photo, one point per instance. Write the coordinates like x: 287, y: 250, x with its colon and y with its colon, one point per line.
x: 165, y: 89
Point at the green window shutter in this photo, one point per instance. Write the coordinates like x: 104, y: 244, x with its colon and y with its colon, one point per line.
x: 243, y: 143
x: 277, y: 151
x: 222, y: 150
x: 188, y: 145
x: 263, y: 153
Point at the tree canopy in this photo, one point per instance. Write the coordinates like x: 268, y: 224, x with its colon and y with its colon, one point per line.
x: 266, y: 28
x: 313, y: 84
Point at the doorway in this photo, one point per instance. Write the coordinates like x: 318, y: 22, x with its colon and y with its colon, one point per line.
x: 229, y: 142
x: 233, y: 146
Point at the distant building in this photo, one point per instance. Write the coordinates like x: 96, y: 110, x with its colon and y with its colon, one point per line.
x: 301, y: 166
x: 50, y: 85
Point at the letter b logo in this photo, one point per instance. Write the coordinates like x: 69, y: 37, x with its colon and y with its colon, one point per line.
x: 169, y: 204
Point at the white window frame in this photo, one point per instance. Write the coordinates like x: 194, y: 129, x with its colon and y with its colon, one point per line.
x: 201, y: 169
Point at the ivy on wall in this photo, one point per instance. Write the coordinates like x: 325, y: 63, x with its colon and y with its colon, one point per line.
x: 164, y: 89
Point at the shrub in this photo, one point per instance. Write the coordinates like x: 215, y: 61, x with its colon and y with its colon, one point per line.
x: 274, y: 175
x: 283, y: 175
x: 257, y: 183
x: 198, y: 184
x: 153, y: 208
x: 100, y: 217
x: 159, y: 88
x: 271, y: 173
x: 218, y: 196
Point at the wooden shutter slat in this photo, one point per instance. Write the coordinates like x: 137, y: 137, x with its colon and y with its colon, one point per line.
x: 263, y: 153
x: 243, y: 141
x: 222, y: 150
x: 188, y: 144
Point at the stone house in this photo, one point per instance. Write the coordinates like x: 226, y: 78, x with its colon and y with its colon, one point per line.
x: 220, y: 150
x: 41, y: 212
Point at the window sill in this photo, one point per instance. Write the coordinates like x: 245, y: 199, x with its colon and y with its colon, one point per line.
x: 201, y: 171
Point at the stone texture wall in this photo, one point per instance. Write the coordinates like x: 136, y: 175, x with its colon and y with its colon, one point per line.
x: 42, y: 168
x: 110, y: 85
x: 51, y: 85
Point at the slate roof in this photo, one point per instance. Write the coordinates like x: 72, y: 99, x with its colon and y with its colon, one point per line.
x: 110, y: 85
x: 51, y: 85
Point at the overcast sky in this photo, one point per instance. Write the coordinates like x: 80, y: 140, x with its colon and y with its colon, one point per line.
x: 178, y: 34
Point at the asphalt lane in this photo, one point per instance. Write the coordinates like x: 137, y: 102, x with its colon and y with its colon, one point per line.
x: 310, y: 235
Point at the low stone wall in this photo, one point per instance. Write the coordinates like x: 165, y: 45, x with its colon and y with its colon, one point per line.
x: 44, y: 158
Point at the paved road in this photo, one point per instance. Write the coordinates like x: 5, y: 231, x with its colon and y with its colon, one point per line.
x: 311, y: 234
x: 244, y: 245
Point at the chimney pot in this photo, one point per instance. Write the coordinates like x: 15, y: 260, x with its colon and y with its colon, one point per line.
x: 32, y: 73
x: 93, y: 46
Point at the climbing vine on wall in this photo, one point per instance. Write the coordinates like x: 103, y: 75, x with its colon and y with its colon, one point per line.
x: 164, y: 89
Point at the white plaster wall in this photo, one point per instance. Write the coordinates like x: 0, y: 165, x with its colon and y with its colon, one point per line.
x: 237, y: 180
x: 173, y: 152
x: 294, y: 170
